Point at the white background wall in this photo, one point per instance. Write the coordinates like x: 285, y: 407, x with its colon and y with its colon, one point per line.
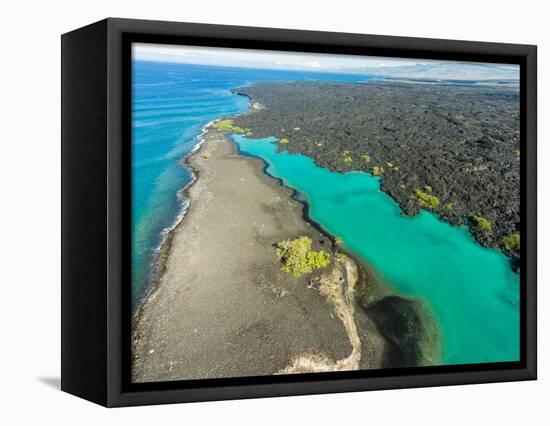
x: 30, y: 194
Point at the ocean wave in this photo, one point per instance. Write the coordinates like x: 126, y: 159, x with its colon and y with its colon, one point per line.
x: 182, y: 111
x: 196, y: 102
x: 155, y: 265
x: 164, y: 83
x: 153, y: 122
x: 200, y: 136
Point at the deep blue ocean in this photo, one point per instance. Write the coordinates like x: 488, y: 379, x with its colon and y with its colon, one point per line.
x: 171, y: 103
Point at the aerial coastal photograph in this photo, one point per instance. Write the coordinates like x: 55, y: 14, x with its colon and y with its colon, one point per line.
x: 298, y: 212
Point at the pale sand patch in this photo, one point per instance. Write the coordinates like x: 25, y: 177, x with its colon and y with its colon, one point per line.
x: 337, y: 285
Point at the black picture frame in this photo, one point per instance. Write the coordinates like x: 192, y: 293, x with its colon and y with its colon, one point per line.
x: 96, y: 201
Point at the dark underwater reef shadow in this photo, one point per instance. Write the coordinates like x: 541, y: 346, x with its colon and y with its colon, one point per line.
x: 409, y: 329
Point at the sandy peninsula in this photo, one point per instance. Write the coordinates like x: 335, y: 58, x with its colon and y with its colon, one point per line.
x: 223, y: 307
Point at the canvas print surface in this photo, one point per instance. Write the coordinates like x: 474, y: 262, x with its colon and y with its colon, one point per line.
x: 298, y: 213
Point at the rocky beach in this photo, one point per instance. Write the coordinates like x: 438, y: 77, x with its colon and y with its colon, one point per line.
x: 224, y: 308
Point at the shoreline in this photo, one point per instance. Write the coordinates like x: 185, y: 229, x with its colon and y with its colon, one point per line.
x: 168, y: 245
x: 365, y: 270
x: 142, y: 337
x: 170, y: 248
x: 157, y: 264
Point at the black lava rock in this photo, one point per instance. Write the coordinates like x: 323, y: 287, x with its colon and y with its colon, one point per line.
x: 459, y: 143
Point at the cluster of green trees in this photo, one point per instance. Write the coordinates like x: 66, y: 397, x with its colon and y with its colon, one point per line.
x: 392, y: 167
x: 298, y: 258
x: 226, y: 126
x: 426, y: 200
x: 482, y: 222
x: 346, y: 156
x: 511, y: 242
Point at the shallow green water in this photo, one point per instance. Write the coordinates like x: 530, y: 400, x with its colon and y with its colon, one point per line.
x: 471, y: 290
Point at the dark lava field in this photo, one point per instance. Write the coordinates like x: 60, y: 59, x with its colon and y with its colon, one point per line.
x: 451, y: 149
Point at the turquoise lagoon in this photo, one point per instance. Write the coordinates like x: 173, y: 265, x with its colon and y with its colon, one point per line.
x: 472, y: 291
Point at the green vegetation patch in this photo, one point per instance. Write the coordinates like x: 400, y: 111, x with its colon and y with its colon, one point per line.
x: 226, y: 126
x: 425, y: 200
x: 482, y: 222
x: 298, y: 258
x: 283, y: 140
x: 449, y: 207
x: 365, y: 158
x: 347, y: 159
x: 511, y: 242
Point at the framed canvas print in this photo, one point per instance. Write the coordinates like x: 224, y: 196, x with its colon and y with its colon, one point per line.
x: 253, y: 212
